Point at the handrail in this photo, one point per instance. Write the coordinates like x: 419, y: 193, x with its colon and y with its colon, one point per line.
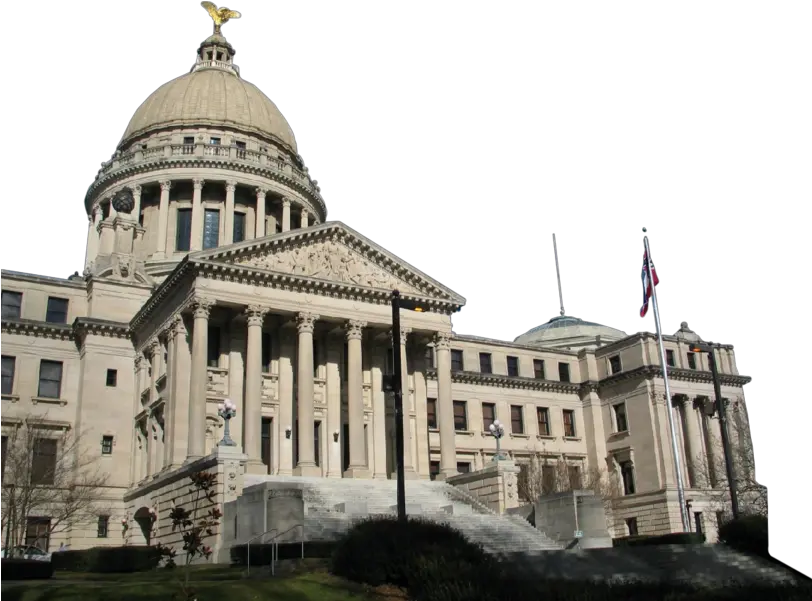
x: 275, y: 545
x: 250, y: 540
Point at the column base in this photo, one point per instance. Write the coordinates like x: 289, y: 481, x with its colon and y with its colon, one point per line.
x: 380, y: 477
x: 446, y: 474
x: 356, y: 473
x: 407, y: 474
x: 255, y: 466
x: 307, y: 470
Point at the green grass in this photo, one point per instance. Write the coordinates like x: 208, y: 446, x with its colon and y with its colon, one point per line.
x: 213, y: 583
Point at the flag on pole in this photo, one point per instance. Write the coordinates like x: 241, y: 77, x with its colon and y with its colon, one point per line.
x: 647, y: 285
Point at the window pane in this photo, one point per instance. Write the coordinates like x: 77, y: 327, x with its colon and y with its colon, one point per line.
x: 12, y: 302
x: 431, y: 412
x: 460, y: 417
x: 456, y: 360
x: 57, y: 311
x: 38, y: 533
x: 516, y: 419
x: 564, y: 372
x: 112, y: 377
x: 538, y: 368
x: 485, y: 363
x: 513, y: 366
x: 43, y: 464
x: 569, y: 423
x: 544, y: 421
x: 488, y: 415
x: 265, y: 451
x: 266, y: 352
x: 214, y: 347
x: 9, y: 364
x: 50, y: 379
x: 239, y: 227
x: 183, y: 235
x: 211, y: 228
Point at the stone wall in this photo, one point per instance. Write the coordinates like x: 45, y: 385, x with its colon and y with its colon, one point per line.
x: 495, y: 486
x: 555, y: 515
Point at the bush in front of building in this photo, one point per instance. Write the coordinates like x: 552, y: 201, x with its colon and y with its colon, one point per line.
x: 748, y: 533
x: 674, y: 538
x: 17, y: 568
x: 108, y: 559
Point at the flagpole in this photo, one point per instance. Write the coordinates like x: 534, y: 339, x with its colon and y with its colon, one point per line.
x: 558, y: 275
x: 686, y: 524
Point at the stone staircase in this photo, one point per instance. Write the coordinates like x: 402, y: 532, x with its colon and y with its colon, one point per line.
x: 331, y: 506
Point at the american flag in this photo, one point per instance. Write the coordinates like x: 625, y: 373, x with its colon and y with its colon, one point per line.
x: 647, y: 284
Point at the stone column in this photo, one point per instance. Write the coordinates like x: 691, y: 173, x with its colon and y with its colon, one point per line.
x: 378, y: 415
x: 305, y: 218
x: 155, y: 367
x: 198, y: 379
x: 197, y: 215
x: 163, y: 219
x: 252, y: 413
x: 136, y: 212
x: 408, y: 446
x: 260, y: 216
x: 445, y: 409
x: 169, y: 402
x: 334, y: 345
x: 228, y: 237
x: 421, y: 408
x: 694, y: 456
x: 181, y: 367
x: 286, y: 214
x: 355, y: 401
x: 307, y: 459
x: 92, y: 236
x: 286, y: 350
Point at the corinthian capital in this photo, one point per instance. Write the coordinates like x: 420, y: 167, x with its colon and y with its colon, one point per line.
x: 136, y: 189
x: 154, y: 348
x: 231, y: 185
x: 166, y: 185
x: 354, y: 329
x: 286, y: 202
x: 255, y: 315
x: 178, y: 327
x: 306, y: 322
x: 201, y: 307
x: 404, y: 334
x: 442, y: 341
x: 198, y: 183
x: 261, y: 192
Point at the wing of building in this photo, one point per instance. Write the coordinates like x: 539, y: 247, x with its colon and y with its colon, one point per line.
x: 212, y: 272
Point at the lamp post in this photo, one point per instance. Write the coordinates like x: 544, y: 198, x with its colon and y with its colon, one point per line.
x: 394, y: 383
x: 497, y: 431
x: 227, y: 409
x: 709, y: 348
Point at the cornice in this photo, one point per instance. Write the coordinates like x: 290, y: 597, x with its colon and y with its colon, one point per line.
x: 507, y: 344
x: 502, y: 381
x: 38, y: 329
x: 642, y: 337
x: 178, y: 274
x: 650, y: 372
x: 90, y: 326
x: 41, y: 279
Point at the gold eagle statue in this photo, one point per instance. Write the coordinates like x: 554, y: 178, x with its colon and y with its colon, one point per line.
x: 219, y: 15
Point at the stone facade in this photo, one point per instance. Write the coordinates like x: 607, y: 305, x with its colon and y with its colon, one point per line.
x: 225, y: 280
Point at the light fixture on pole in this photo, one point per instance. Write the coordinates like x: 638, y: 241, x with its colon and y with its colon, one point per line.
x: 497, y: 431
x: 709, y: 348
x: 227, y: 409
x: 394, y: 383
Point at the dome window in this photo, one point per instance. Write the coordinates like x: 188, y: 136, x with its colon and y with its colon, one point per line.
x: 214, y: 141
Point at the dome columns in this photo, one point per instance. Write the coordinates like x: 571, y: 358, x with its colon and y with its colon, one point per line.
x: 286, y: 214
x: 260, y: 219
x: 197, y: 215
x: 163, y: 219
x: 228, y: 234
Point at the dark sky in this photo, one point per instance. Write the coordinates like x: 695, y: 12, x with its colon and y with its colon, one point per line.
x: 464, y: 155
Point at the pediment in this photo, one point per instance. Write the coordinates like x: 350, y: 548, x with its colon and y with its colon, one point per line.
x: 331, y: 252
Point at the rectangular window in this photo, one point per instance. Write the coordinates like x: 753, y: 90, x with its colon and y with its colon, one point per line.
x: 12, y: 304
x: 621, y: 423
x: 460, y: 416
x: 430, y: 357
x: 669, y: 358
x: 488, y: 415
x: 112, y: 378
x: 265, y: 450
x: 214, y: 141
x: 698, y: 522
x: 3, y: 457
x: 516, y: 419
x: 691, y: 361
x: 631, y: 526
x: 57, y: 311
x: 266, y: 352
x: 50, y: 379
x: 627, y: 473
x: 456, y: 360
x: 463, y: 467
x: 431, y: 413
x: 188, y: 140
x: 574, y: 475
x: 569, y: 423
x: 9, y: 367
x: 43, y: 461
x: 238, y: 234
x: 538, y: 369
x: 316, y: 358
x: 513, y: 366
x: 38, y: 533
x: 211, y: 228
x: 107, y: 445
x: 547, y: 479
x: 103, y: 526
x: 543, y: 415
x: 434, y: 469
x: 213, y: 359
x: 240, y: 149
x: 485, y: 365
x: 317, y: 443
x: 183, y: 230
x: 564, y: 372
x: 614, y: 364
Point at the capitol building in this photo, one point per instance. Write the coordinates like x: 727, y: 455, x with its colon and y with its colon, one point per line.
x: 212, y: 272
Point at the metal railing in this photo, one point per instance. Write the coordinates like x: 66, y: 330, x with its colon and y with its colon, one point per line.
x: 248, y: 553
x: 275, y: 546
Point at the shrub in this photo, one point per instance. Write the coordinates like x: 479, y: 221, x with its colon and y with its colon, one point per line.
x: 748, y: 534
x: 675, y: 538
x: 107, y: 559
x: 17, y: 568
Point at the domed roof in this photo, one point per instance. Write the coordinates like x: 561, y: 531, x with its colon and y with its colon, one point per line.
x: 565, y: 331
x: 212, y: 97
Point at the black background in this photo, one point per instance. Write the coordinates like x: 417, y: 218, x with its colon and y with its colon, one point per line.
x: 463, y: 147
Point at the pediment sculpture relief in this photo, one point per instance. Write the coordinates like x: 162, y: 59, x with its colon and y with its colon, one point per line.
x: 329, y: 261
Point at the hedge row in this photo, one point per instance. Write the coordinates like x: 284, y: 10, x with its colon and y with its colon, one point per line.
x: 748, y: 534
x: 17, y: 568
x: 675, y: 538
x: 107, y: 559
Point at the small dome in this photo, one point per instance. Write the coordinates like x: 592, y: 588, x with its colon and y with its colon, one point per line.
x: 571, y: 333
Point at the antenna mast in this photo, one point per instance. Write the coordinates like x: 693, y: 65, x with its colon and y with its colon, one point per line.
x: 558, y: 275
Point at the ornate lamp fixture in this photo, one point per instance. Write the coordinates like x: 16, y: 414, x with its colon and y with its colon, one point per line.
x: 227, y: 409
x: 497, y: 431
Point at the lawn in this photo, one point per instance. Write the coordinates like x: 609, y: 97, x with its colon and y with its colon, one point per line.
x: 213, y: 583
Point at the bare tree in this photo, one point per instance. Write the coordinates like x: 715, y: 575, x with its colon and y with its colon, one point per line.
x: 49, y: 474
x: 543, y: 476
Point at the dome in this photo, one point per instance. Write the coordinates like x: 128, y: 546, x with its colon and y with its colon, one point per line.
x: 210, y: 97
x: 571, y: 333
